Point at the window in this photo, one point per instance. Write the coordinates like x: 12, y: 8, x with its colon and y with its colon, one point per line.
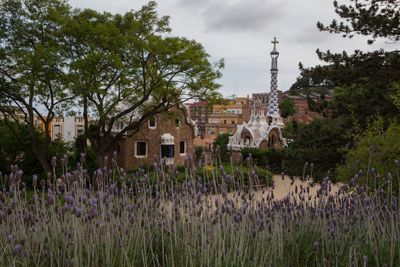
x: 56, y: 131
x: 217, y: 112
x: 221, y: 131
x: 182, y: 147
x: 224, y: 121
x: 233, y: 122
x: 230, y: 132
x: 177, y: 122
x: 153, y: 122
x: 79, y: 130
x: 141, y: 149
x: 167, y: 151
x: 212, y: 131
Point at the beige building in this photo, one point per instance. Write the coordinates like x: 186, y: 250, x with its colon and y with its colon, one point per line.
x: 67, y: 128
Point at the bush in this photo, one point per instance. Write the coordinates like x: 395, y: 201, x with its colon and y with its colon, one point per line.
x: 270, y: 159
x: 374, y: 152
x: 222, y: 141
x: 318, y: 142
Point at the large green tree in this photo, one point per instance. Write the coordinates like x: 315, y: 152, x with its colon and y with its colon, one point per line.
x: 121, y: 68
x: 364, y: 83
x: 33, y: 84
x: 127, y: 68
x: 373, y: 18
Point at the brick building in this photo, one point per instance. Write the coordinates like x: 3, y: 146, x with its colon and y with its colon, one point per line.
x: 168, y: 136
x: 303, y: 112
x: 219, y: 119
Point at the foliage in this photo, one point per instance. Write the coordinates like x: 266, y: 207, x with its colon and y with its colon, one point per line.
x: 374, y: 153
x: 222, y: 142
x: 126, y: 69
x: 123, y: 69
x: 375, y: 18
x: 32, y: 67
x: 318, y: 142
x: 362, y: 82
x: 287, y: 107
x: 198, y: 151
x: 314, y: 80
x: 16, y: 151
x: 271, y: 159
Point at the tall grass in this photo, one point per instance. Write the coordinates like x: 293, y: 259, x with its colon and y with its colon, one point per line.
x: 111, y: 219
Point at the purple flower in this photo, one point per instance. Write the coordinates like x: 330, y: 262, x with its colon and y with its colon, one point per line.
x: 34, y: 180
x: 315, y: 245
x: 54, y: 161
x: 16, y: 249
x: 396, y: 162
x: 82, y: 157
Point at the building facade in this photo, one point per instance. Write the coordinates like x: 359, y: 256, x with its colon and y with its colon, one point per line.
x: 303, y: 112
x: 67, y: 128
x: 220, y: 119
x: 166, y: 136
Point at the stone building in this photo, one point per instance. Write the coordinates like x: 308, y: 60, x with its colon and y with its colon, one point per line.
x: 166, y: 136
x: 264, y: 127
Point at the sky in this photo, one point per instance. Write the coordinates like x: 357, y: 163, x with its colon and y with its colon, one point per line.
x: 241, y: 31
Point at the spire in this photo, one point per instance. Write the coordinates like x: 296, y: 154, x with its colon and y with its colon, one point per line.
x: 273, y: 109
x: 274, y: 56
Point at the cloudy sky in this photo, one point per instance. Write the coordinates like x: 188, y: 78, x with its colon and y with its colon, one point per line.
x: 240, y: 31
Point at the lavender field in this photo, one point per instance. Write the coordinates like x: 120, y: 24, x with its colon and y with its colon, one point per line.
x: 115, y: 219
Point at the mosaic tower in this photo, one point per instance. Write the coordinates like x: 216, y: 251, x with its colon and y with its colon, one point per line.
x: 273, y: 110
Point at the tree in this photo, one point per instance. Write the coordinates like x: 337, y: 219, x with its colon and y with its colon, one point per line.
x: 32, y: 69
x: 128, y: 69
x: 374, y: 18
x: 222, y: 141
x: 318, y: 142
x: 364, y: 83
x: 13, y: 151
x: 287, y: 107
x: 375, y: 152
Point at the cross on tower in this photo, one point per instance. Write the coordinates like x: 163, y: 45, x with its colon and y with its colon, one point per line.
x: 275, y: 42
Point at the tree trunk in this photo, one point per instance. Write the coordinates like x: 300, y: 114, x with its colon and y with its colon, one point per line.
x: 86, y: 122
x: 41, y: 157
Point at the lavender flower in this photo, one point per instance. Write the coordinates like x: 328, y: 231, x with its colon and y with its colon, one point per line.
x: 54, y: 162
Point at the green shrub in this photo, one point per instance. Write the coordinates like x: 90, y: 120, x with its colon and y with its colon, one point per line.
x: 222, y: 141
x: 374, y: 152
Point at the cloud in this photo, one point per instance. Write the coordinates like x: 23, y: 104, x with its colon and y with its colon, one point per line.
x: 310, y: 35
x: 193, y: 3
x: 239, y: 15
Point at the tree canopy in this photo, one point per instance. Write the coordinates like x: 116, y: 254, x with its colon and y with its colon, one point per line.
x: 33, y: 80
x: 121, y: 68
x: 127, y: 68
x: 373, y: 18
